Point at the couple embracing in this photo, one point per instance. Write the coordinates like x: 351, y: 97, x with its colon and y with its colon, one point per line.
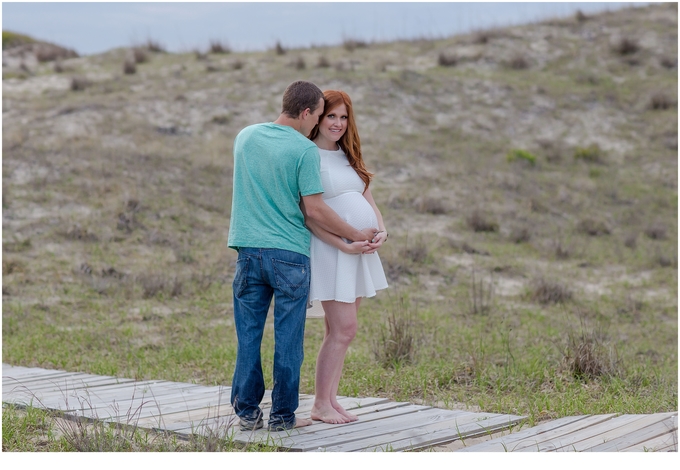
x: 302, y: 173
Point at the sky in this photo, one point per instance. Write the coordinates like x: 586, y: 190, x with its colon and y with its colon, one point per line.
x: 94, y: 27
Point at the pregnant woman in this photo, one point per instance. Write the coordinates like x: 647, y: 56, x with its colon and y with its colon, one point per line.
x: 342, y: 272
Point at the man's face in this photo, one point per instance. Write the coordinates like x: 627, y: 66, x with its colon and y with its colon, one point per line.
x: 311, y: 119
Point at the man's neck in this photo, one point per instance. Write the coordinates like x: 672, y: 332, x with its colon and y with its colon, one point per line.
x: 285, y: 120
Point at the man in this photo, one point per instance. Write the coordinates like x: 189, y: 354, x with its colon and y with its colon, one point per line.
x: 275, y: 169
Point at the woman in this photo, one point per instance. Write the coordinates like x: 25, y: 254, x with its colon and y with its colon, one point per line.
x: 342, y: 272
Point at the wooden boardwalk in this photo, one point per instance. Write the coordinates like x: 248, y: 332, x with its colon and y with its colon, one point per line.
x: 188, y: 409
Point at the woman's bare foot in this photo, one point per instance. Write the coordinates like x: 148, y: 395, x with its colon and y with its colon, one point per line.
x: 351, y: 417
x: 328, y: 415
x: 302, y: 422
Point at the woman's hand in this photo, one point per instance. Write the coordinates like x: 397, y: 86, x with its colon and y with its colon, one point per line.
x: 377, y: 241
x: 355, y: 248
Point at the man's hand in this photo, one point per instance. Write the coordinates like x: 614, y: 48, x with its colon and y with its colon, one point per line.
x: 369, y: 233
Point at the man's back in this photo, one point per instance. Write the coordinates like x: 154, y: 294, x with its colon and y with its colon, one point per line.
x: 273, y: 166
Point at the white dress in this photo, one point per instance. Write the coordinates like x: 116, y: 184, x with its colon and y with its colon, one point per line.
x: 336, y: 275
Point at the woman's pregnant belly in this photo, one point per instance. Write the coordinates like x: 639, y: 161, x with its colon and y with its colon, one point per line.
x: 354, y: 209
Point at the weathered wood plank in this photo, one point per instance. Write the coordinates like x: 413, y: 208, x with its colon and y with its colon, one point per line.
x: 296, y: 438
x: 586, y: 439
x: 662, y: 424
x: 91, y: 403
x: 665, y: 443
x: 28, y: 372
x: 369, y: 421
x: 537, y: 434
x: 105, y: 394
x: 36, y: 379
x: 162, y: 420
x: 419, y: 434
x: 367, y: 430
x: 64, y: 385
x: 194, y: 405
x: 149, y: 405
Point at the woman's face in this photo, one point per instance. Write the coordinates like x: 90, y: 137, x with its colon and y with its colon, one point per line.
x: 334, y: 124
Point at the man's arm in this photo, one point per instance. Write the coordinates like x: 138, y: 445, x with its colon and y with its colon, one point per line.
x: 318, y: 211
x: 354, y: 248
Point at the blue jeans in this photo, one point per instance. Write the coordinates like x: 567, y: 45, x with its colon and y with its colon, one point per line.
x: 260, y: 275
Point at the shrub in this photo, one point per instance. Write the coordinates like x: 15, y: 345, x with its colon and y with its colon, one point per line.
x: 79, y: 83
x: 323, y: 62
x: 626, y: 46
x: 522, y: 156
x: 580, y: 16
x: 593, y: 227
x: 630, y: 241
x: 656, y: 231
x: 661, y: 101
x: 668, y: 62
x: 221, y: 119
x: 520, y: 235
x: 299, y: 63
x: 665, y: 260
x: 481, y: 295
x: 155, y: 285
x: 518, y: 62
x: 351, y: 44
x: 480, y: 223
x: 482, y: 37
x: 588, y: 358
x: 397, y: 342
x: 82, y: 234
x: 417, y: 253
x: 561, y: 250
x: 547, y: 292
x: 154, y: 46
x: 47, y: 54
x: 447, y: 60
x: 237, y: 64
x: 591, y: 154
x: 139, y: 55
x: 279, y: 48
x: 431, y: 205
x: 216, y: 47
x: 129, y: 67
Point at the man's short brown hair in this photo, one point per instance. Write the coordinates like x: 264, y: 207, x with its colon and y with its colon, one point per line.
x: 299, y: 96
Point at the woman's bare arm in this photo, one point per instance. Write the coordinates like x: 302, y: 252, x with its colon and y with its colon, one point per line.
x: 381, y: 236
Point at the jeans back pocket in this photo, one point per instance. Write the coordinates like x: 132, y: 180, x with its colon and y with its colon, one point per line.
x: 291, y: 278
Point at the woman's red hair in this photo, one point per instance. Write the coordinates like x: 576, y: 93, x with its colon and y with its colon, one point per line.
x: 349, y: 142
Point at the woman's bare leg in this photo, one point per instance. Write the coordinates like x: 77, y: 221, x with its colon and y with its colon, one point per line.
x: 341, y: 326
x: 336, y: 383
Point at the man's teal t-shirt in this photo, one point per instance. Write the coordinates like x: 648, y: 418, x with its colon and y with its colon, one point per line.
x: 274, y: 166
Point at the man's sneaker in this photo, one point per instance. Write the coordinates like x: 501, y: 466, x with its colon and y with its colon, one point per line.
x: 251, y: 425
